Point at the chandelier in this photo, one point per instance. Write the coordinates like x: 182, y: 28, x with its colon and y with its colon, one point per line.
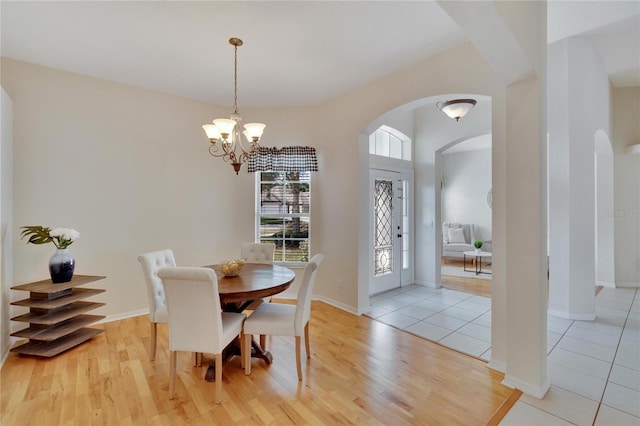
x: 456, y: 108
x: 224, y: 133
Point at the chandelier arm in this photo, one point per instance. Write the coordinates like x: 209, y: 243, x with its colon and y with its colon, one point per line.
x: 214, y: 151
x: 244, y: 157
x: 230, y: 157
x: 240, y: 144
x: 239, y: 137
x: 222, y: 150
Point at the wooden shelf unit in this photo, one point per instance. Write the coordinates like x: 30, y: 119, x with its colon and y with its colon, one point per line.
x: 57, y: 319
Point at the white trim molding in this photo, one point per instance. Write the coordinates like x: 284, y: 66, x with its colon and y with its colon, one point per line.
x: 628, y: 284
x: 606, y: 284
x: 124, y: 315
x: 568, y: 315
x: 336, y: 304
x: 429, y: 284
x: 538, y: 391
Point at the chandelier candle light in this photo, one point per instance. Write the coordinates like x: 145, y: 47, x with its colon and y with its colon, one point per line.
x: 224, y: 133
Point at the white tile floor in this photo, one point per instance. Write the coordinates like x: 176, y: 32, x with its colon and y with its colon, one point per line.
x: 594, y: 366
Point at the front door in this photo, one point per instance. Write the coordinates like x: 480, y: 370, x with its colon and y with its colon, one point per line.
x: 385, y: 230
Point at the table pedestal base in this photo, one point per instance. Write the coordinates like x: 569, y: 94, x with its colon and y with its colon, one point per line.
x: 234, y: 349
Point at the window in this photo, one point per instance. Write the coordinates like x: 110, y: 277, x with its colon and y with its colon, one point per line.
x: 388, y: 142
x: 405, y: 224
x: 283, y: 213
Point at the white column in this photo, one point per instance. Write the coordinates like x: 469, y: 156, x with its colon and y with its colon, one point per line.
x: 6, y: 221
x: 578, y: 112
x: 526, y: 236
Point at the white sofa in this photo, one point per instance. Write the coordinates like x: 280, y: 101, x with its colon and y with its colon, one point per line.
x: 458, y: 238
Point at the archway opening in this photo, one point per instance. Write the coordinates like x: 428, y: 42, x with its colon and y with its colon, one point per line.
x: 432, y: 133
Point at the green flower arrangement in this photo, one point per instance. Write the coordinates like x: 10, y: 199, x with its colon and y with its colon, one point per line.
x: 478, y: 244
x: 60, y: 237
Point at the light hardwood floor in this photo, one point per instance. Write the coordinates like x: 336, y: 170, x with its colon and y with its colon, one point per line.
x: 476, y: 286
x: 360, y: 372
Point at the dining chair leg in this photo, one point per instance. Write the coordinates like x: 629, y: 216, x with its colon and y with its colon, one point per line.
x: 172, y: 374
x: 298, y: 366
x: 197, y: 359
x: 306, y: 340
x: 218, y: 378
x: 154, y: 337
x: 242, y: 350
x: 263, y: 342
x: 246, y: 343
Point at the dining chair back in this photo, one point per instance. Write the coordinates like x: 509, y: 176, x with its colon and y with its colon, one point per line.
x: 258, y: 252
x: 151, y: 262
x: 196, y: 321
x: 305, y: 292
x: 279, y: 319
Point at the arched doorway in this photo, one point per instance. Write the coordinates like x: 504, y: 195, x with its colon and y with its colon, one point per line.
x: 431, y: 132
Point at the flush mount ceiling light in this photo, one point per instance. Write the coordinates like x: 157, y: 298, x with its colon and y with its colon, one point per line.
x: 224, y: 133
x: 456, y: 108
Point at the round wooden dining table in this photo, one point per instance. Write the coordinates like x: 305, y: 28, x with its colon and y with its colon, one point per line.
x: 255, y: 281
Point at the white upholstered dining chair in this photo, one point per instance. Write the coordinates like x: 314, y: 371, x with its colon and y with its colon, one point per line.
x: 151, y: 262
x: 196, y: 321
x: 258, y: 252
x: 280, y: 319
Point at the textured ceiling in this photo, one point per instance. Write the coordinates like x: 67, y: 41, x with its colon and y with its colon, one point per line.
x: 295, y: 53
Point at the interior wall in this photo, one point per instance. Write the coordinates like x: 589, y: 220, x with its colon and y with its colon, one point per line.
x: 626, y: 212
x: 467, y: 180
x: 6, y: 221
x: 128, y: 168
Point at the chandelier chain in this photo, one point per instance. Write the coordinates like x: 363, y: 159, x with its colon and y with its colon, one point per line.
x: 235, y: 80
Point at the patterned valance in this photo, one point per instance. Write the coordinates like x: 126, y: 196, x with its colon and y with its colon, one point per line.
x: 285, y: 159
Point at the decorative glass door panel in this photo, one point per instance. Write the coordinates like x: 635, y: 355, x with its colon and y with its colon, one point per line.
x: 383, y: 233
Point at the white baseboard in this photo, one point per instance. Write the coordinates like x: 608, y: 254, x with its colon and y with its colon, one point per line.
x: 628, y: 284
x: 139, y: 312
x: 537, y: 391
x: 572, y: 316
x: 606, y: 284
x: 500, y: 366
x: 337, y: 304
x: 428, y: 284
x: 125, y: 315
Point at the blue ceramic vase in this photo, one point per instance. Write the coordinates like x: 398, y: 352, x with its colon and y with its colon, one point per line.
x: 61, y: 266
